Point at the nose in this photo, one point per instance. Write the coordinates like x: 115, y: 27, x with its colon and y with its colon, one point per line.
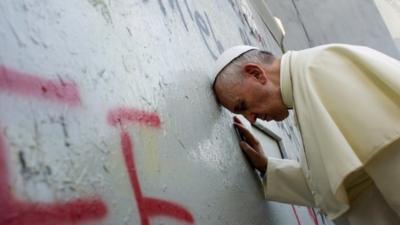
x: 251, y: 117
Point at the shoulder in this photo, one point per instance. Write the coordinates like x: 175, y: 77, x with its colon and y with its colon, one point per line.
x: 343, y: 51
x: 330, y: 53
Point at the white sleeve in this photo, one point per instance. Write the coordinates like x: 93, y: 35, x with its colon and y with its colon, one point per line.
x: 285, y: 182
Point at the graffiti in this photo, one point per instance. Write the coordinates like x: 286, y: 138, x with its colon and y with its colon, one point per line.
x: 122, y: 116
x: 322, y: 215
x: 205, y: 27
x: 162, y: 7
x: 202, y: 25
x: 296, y: 215
x: 148, y: 207
x: 172, y: 3
x: 17, y: 212
x: 188, y: 9
x: 102, y: 8
x: 243, y: 12
x: 217, y: 42
x: 202, y: 22
x: 311, y: 214
x: 18, y: 83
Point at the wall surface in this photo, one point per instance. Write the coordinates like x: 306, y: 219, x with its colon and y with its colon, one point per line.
x: 390, y: 11
x: 310, y: 23
x: 106, y: 115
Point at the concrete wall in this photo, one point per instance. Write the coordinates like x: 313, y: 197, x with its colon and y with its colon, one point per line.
x: 309, y: 23
x: 390, y: 11
x: 106, y: 115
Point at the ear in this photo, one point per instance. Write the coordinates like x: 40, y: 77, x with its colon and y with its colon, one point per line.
x: 255, y: 71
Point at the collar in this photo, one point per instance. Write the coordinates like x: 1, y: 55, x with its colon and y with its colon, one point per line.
x: 286, y: 80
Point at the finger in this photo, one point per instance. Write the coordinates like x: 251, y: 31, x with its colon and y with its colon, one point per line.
x: 237, y: 120
x: 249, y: 151
x: 258, y: 161
x: 248, y: 135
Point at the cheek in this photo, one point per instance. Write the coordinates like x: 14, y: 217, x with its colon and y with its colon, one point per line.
x: 276, y: 109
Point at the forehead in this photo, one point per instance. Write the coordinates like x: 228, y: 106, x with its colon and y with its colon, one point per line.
x: 229, y: 95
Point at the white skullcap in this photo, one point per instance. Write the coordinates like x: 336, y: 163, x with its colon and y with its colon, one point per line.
x: 227, y: 57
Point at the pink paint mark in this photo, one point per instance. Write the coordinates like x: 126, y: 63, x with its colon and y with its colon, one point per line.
x: 121, y: 116
x: 149, y: 207
x: 313, y: 216
x: 157, y: 207
x: 29, y: 85
x: 296, y: 215
x: 16, y: 212
x: 4, y: 185
x: 72, y: 212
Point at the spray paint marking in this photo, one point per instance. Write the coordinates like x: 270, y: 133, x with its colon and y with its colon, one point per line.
x: 296, y: 215
x: 312, y: 215
x: 15, y: 212
x: 148, y: 207
x: 203, y: 24
x: 29, y: 85
x: 122, y: 115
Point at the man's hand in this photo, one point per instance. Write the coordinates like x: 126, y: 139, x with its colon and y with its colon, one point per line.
x: 252, y: 147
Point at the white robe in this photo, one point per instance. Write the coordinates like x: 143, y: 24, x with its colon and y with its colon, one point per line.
x: 347, y: 102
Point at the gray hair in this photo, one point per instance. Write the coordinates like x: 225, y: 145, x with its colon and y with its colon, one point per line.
x: 231, y: 74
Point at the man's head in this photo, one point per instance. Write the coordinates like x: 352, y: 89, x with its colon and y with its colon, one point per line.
x: 248, y: 82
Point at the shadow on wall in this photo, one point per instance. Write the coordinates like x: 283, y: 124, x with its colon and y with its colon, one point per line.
x: 188, y: 98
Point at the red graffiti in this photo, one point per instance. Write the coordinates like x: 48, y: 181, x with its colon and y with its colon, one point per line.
x: 148, y: 207
x: 311, y: 213
x: 28, y: 85
x: 15, y: 212
x: 296, y: 215
x: 121, y: 116
x: 313, y: 216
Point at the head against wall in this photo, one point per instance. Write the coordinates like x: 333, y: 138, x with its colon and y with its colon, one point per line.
x: 247, y: 82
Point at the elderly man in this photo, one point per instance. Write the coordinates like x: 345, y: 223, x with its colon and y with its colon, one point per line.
x: 347, y: 103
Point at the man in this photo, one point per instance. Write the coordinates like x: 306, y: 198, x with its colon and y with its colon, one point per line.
x: 347, y: 103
